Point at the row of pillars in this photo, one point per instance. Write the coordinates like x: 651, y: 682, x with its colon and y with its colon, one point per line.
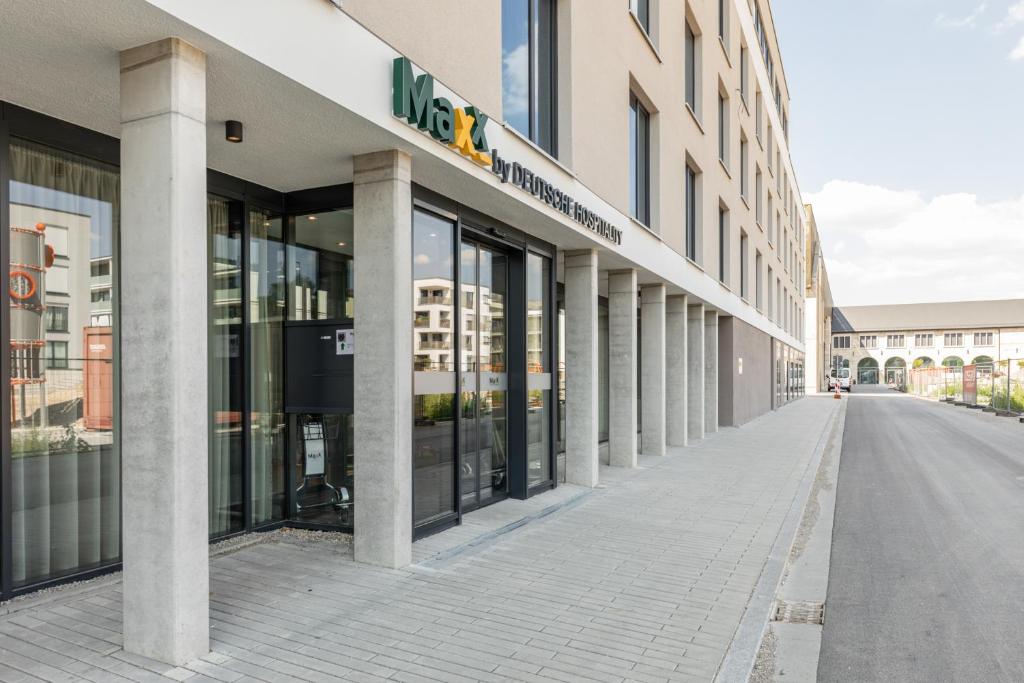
x: 677, y: 356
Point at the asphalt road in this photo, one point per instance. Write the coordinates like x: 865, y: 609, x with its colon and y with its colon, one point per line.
x: 927, y: 572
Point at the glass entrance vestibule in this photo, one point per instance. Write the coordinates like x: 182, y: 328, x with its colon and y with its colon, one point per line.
x: 482, y: 361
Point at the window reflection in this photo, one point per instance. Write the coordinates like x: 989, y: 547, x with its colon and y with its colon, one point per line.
x: 434, y: 363
x: 538, y: 386
x: 320, y: 267
x: 65, y: 462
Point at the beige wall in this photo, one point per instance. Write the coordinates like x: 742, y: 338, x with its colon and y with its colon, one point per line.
x: 818, y: 293
x: 458, y: 43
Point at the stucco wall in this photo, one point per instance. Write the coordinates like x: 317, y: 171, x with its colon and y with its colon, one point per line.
x: 742, y: 397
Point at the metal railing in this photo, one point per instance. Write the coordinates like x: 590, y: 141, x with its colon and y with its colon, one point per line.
x: 998, y: 386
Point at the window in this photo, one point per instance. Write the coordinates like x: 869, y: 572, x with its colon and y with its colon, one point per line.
x: 769, y: 143
x: 639, y: 161
x: 723, y: 21
x: 744, y: 173
x: 758, y: 208
x: 744, y: 265
x: 99, y: 268
x: 758, y: 115
x: 868, y: 341
x: 953, y: 339
x: 528, y: 68
x: 983, y: 339
x: 841, y: 341
x: 758, y: 281
x: 692, y: 213
x: 723, y: 244
x: 762, y: 41
x: 63, y: 459
x: 692, y: 70
x: 895, y: 341
x: 57, y: 355
x: 642, y: 9
x: 743, y: 74
x: 723, y: 129
x: 778, y: 302
x: 99, y: 295
x: 771, y: 227
x: 771, y: 297
x: 56, y: 318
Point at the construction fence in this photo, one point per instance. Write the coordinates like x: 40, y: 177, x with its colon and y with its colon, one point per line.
x: 998, y: 385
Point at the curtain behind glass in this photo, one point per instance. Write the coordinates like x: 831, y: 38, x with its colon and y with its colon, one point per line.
x: 65, y: 466
x: 225, y: 370
x: 266, y: 273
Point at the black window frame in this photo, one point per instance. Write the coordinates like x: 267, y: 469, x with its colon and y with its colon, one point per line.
x: 692, y: 199
x: 542, y: 114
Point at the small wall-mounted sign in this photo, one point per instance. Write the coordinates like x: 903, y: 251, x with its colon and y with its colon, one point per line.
x: 345, y: 342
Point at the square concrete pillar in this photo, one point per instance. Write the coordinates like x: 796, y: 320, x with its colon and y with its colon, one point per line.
x: 695, y: 373
x: 652, y: 363
x: 382, y: 239
x: 622, y: 367
x: 581, y: 459
x: 675, y: 370
x: 164, y: 413
x: 710, y: 372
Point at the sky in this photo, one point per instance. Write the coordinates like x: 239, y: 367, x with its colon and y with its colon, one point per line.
x: 907, y: 135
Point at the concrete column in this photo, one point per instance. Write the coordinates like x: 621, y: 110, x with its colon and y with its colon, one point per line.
x: 382, y: 239
x: 581, y: 460
x: 695, y: 373
x: 164, y: 414
x: 622, y: 367
x: 675, y: 370
x: 710, y: 372
x: 652, y: 319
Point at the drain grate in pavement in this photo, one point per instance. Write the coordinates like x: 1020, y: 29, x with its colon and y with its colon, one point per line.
x: 799, y: 612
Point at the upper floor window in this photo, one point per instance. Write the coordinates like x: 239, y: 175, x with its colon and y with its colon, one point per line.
x: 692, y: 69
x: 692, y: 212
x: 723, y: 21
x: 758, y: 114
x: 762, y: 41
x: 758, y: 192
x: 642, y: 9
x: 953, y: 339
x: 923, y: 339
x: 983, y: 339
x: 56, y: 318
x: 723, y: 244
x: 744, y: 265
x: 744, y: 171
x: 868, y: 341
x: 841, y: 341
x: 758, y: 279
x: 528, y: 65
x: 723, y: 129
x: 895, y: 341
x: 639, y: 161
x: 743, y: 74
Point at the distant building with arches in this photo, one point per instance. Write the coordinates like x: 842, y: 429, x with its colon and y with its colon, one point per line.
x: 879, y: 344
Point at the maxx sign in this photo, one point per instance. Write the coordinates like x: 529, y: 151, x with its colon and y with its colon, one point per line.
x: 463, y: 129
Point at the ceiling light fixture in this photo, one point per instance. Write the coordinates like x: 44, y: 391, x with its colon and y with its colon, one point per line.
x: 233, y: 131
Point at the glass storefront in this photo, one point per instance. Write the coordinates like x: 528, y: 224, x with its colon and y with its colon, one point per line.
x: 482, y: 359
x: 65, y: 461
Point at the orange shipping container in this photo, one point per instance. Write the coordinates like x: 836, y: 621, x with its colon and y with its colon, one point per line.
x: 98, y: 377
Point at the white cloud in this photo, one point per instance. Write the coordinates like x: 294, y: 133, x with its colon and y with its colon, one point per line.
x: 895, y: 246
x: 967, y: 21
x: 516, y: 80
x: 1018, y: 52
x: 1014, y: 15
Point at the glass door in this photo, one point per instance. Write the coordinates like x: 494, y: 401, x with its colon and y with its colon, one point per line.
x: 483, y: 376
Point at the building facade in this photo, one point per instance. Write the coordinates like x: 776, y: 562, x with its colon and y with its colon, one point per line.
x: 349, y: 265
x: 818, y: 311
x: 879, y: 344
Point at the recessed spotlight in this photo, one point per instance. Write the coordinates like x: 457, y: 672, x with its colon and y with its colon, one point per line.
x: 233, y: 131
x: 312, y: 218
x: 341, y: 244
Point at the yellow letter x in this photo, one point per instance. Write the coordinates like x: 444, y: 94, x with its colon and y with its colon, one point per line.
x: 464, y: 138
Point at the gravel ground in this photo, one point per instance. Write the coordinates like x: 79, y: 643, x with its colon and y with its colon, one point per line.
x: 764, y: 665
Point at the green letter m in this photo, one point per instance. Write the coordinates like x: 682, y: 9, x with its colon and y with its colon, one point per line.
x: 412, y: 99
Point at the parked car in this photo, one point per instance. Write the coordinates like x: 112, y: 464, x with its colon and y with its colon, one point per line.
x: 843, y: 380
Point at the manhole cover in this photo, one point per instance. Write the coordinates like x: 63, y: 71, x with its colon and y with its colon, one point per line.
x: 799, y: 612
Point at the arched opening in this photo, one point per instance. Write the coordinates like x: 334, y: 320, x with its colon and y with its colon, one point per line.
x: 983, y: 360
x: 924, y: 362
x: 896, y: 371
x: 952, y: 362
x: 867, y: 371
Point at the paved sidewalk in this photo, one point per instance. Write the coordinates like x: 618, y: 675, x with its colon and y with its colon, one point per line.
x: 645, y: 579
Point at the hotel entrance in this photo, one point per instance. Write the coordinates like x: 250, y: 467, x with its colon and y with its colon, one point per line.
x: 483, y: 344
